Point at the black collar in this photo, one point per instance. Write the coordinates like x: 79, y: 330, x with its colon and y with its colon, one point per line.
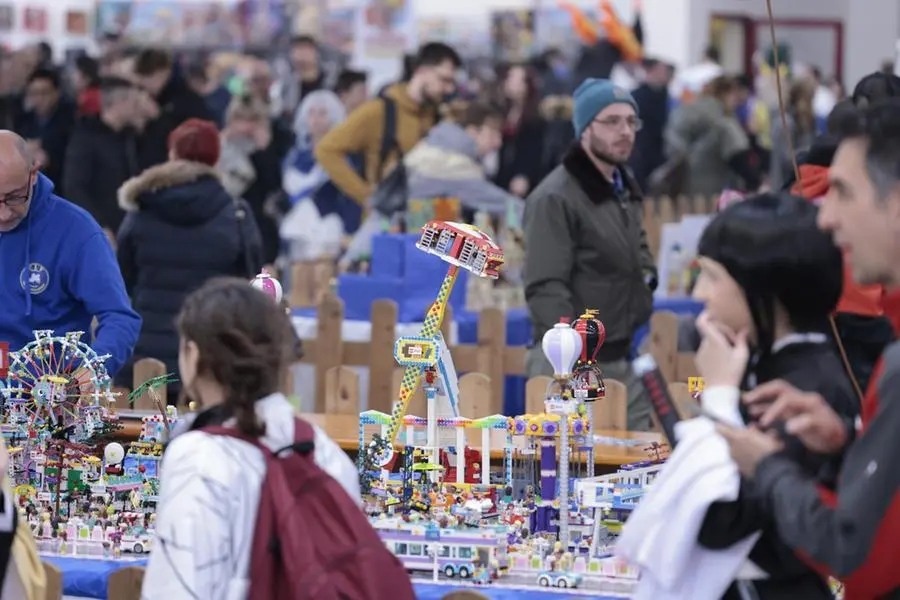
x: 592, y: 182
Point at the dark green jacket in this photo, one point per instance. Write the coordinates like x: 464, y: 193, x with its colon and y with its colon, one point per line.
x: 586, y: 248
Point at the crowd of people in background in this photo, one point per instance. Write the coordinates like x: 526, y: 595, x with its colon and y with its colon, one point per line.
x: 317, y: 137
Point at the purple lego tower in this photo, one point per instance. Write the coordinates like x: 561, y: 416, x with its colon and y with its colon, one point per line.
x: 544, y: 516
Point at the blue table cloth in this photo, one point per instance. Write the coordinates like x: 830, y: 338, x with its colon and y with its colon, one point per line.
x: 87, y: 578
x: 518, y: 333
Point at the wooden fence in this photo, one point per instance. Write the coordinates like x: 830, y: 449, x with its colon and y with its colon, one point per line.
x: 485, y: 363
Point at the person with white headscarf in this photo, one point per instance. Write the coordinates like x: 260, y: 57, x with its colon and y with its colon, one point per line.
x: 313, y: 198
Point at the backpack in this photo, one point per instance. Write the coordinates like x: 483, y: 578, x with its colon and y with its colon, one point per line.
x: 392, y: 191
x: 311, y: 540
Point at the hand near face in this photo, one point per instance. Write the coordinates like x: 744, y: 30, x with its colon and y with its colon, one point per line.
x: 749, y: 447
x: 805, y: 415
x: 519, y: 186
x: 723, y: 354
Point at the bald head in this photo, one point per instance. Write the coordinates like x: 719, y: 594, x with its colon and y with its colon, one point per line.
x: 14, y: 152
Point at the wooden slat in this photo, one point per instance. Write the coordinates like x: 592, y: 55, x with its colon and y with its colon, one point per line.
x: 342, y: 391
x: 125, y: 584
x: 536, y: 394
x: 611, y: 412
x: 54, y: 587
x: 491, y: 343
x: 144, y: 370
x: 379, y: 355
x: 664, y: 342
x: 475, y: 396
x: 330, y: 318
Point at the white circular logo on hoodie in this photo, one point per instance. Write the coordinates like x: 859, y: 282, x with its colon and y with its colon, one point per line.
x: 35, y: 278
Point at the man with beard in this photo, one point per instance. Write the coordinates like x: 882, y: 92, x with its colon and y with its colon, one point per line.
x: 586, y: 245
x: 385, y: 128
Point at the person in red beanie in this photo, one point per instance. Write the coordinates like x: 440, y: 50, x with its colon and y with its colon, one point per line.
x: 181, y: 229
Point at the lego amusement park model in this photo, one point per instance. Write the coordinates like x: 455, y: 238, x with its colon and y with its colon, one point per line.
x: 544, y: 518
x: 540, y: 517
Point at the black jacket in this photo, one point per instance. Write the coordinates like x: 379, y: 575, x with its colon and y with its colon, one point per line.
x: 177, y: 103
x: 54, y: 134
x: 653, y: 107
x: 813, y: 367
x: 586, y: 248
x: 98, y: 161
x: 522, y: 153
x: 181, y: 230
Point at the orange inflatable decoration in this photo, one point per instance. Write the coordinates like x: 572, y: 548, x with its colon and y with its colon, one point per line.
x: 619, y: 34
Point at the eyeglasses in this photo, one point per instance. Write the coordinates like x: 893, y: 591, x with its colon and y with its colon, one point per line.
x: 632, y: 123
x: 20, y: 200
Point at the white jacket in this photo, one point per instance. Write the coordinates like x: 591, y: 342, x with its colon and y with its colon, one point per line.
x: 208, y: 503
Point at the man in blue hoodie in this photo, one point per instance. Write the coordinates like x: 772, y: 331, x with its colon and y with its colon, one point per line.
x: 57, y: 268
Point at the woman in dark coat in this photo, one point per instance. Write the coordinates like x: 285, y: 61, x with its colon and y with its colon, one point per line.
x: 181, y: 228
x: 521, y: 161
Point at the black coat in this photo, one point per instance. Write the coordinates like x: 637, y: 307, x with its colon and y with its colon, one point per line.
x: 98, y: 161
x: 54, y: 134
x: 653, y: 107
x: 181, y: 230
x: 812, y: 368
x: 522, y: 153
x: 177, y: 103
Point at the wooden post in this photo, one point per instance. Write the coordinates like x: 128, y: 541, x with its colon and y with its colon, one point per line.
x: 491, y: 350
x: 475, y: 396
x: 664, y: 342
x: 381, y: 356
x: 144, y: 370
x: 329, y: 346
x: 342, y: 391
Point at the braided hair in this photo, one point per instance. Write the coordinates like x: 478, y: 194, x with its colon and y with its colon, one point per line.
x: 244, y: 343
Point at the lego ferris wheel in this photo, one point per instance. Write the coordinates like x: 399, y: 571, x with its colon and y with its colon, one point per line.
x: 51, y: 382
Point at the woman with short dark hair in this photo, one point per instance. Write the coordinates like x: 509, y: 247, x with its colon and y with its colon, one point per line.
x: 769, y: 277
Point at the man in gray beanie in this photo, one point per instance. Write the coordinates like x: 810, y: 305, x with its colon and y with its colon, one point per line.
x: 585, y: 244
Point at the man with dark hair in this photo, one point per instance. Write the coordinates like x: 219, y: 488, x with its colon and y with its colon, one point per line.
x: 874, y: 87
x: 850, y: 533
x: 352, y: 88
x: 102, y: 154
x: 863, y: 329
x: 307, y: 74
x: 414, y: 106
x: 176, y: 101
x: 48, y: 123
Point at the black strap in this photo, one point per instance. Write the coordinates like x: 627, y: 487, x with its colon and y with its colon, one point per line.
x: 389, y: 141
x: 240, y: 214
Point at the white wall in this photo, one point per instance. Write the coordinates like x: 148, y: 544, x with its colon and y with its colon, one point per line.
x: 870, y: 33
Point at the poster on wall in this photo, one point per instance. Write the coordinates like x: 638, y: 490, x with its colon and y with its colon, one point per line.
x: 34, y: 20
x: 7, y: 17
x: 512, y: 35
x: 554, y: 29
x: 337, y: 28
x: 76, y: 22
x: 470, y: 35
x: 387, y: 28
x: 196, y: 24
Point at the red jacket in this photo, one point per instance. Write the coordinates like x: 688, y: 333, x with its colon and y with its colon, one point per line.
x: 851, y: 533
x: 863, y: 300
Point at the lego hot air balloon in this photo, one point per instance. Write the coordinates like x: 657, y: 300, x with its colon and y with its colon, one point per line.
x: 587, y: 381
x: 268, y: 285
x: 562, y: 347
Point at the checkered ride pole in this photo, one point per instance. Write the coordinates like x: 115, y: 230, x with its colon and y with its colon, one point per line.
x: 413, y: 374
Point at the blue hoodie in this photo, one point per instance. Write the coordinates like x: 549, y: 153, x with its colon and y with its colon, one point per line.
x: 66, y: 261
